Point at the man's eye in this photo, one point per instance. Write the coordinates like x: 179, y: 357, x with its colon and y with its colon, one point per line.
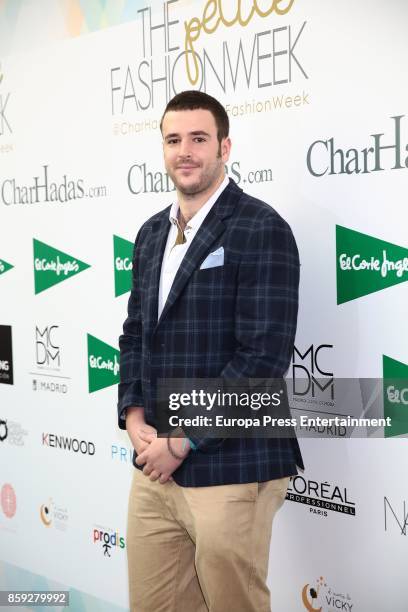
x: 172, y: 141
x: 199, y: 139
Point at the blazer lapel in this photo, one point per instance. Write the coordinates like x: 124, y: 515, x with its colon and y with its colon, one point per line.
x: 160, y: 231
x: 209, y: 231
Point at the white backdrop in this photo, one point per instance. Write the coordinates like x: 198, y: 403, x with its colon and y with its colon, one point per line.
x: 73, y: 83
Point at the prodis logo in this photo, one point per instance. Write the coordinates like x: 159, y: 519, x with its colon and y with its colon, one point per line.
x: 107, y: 539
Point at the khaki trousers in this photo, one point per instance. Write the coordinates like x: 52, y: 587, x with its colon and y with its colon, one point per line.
x: 200, y: 549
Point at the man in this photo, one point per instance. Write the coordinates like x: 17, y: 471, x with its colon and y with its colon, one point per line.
x: 215, y: 295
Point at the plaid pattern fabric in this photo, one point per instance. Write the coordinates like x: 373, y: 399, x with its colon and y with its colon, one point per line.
x: 232, y: 321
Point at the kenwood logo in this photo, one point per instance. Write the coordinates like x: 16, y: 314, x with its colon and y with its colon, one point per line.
x: 70, y: 444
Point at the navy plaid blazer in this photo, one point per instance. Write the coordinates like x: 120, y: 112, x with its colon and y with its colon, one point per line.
x: 232, y: 321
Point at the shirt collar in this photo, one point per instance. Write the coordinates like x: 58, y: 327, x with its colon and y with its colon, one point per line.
x: 199, y: 216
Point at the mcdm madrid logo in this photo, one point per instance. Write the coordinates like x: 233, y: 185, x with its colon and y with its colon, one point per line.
x: 365, y: 264
x: 52, y: 266
x: 103, y: 364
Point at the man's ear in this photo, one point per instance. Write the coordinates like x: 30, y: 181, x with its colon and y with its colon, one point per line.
x: 225, y: 149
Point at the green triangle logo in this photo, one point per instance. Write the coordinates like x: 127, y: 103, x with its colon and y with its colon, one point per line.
x: 103, y: 364
x: 4, y: 266
x: 395, y: 376
x: 365, y: 264
x: 52, y: 266
x: 122, y: 265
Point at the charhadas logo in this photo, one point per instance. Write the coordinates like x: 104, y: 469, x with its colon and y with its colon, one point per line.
x: 122, y: 263
x: 395, y: 391
x: 4, y: 266
x: 52, y: 266
x: 366, y: 264
x: 103, y: 364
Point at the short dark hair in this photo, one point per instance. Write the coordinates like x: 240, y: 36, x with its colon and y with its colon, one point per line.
x: 193, y: 99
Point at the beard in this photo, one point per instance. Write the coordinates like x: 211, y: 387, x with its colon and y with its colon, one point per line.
x: 207, y: 177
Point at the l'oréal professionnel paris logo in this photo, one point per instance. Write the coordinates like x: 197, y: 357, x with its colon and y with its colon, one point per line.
x: 200, y: 51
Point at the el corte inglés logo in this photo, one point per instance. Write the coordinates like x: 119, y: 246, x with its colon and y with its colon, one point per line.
x: 366, y: 264
x: 52, y: 266
x: 122, y: 264
x: 395, y: 391
x: 103, y: 364
x: 4, y: 266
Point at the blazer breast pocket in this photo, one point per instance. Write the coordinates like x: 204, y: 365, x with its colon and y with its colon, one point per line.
x: 217, y: 276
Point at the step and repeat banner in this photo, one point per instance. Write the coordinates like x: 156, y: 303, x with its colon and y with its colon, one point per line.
x: 317, y: 99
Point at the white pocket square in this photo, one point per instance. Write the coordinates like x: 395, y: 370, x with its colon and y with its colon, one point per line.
x: 214, y: 259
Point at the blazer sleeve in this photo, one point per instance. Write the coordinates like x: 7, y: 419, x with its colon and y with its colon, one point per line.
x: 266, y: 308
x: 130, y: 345
x: 267, y: 304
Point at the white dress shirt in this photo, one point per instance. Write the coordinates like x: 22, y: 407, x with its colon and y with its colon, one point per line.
x: 174, y: 254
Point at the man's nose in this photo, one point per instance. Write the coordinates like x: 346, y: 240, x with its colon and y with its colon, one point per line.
x: 185, y: 148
